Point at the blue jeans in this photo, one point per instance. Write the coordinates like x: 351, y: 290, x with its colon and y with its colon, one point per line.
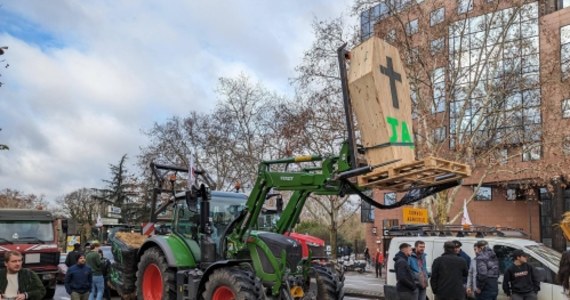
x: 97, y: 288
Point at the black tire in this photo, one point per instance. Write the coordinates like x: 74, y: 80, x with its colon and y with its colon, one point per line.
x: 329, y: 285
x: 154, y: 258
x: 49, y: 293
x: 242, y: 283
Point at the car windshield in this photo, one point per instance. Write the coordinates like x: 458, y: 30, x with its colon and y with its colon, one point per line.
x: 551, y: 255
x: 26, y: 231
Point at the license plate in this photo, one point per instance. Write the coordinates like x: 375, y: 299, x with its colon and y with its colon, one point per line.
x: 33, y: 258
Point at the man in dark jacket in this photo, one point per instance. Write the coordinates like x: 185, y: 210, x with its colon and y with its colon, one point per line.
x: 72, y: 256
x: 447, y: 275
x: 406, y: 284
x: 17, y: 282
x: 487, y: 270
x: 463, y: 255
x: 519, y: 281
x: 78, y: 280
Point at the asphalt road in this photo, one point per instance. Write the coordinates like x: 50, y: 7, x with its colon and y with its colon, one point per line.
x: 61, y: 294
x: 366, y: 282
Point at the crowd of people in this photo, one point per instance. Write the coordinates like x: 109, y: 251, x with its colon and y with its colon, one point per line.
x: 84, y: 279
x: 456, y: 276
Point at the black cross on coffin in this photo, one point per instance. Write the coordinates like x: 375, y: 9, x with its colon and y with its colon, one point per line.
x: 389, y: 71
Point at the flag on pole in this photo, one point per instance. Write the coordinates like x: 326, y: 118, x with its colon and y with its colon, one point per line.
x: 465, y: 220
x: 190, y: 170
x: 99, y: 221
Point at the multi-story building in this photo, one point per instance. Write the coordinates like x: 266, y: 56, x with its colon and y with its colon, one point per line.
x: 490, y: 87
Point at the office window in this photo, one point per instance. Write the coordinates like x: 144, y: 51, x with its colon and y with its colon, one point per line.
x: 565, y: 51
x: 438, y: 78
x: 491, y: 58
x: 437, y: 45
x: 464, y: 6
x: 531, y: 152
x: 412, y: 27
x: 391, y: 36
x: 484, y: 193
x: 566, y: 145
x: 503, y: 156
x: 366, y: 213
x: 389, y: 198
x: 437, y: 16
x: 566, y: 108
x: 439, y: 134
x: 514, y: 194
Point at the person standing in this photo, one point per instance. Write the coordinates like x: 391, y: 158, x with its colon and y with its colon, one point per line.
x: 367, y: 256
x: 519, y: 281
x: 379, y: 261
x: 94, y: 262
x: 484, y: 274
x: 78, y: 280
x: 406, y: 286
x: 17, y: 282
x: 447, y: 275
x: 72, y: 256
x: 418, y: 264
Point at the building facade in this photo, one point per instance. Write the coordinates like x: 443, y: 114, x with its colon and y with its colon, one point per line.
x: 490, y: 87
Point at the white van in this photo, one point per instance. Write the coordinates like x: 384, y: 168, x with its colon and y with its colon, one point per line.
x: 544, y: 259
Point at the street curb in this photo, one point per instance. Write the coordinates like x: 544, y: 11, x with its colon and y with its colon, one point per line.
x: 363, y: 294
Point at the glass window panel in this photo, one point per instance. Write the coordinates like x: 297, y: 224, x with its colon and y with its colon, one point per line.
x: 464, y: 6
x: 412, y: 27
x: 494, y: 36
x: 532, y: 152
x: 529, y: 46
x: 389, y: 198
x: 532, y: 115
x: 566, y: 145
x: 458, y: 29
x: 531, y: 98
x: 530, y: 64
x: 478, y: 39
x: 512, y: 49
x: 513, y: 101
x: 437, y: 16
x: 565, y: 34
x: 566, y: 108
x: 565, y: 3
x: 529, y: 11
x: 375, y: 13
x: 484, y: 193
x: 529, y: 29
x: 391, y: 36
x: 439, y: 134
x: 437, y: 45
x: 531, y: 79
x: 513, y: 32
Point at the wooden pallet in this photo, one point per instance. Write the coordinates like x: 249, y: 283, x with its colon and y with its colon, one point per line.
x: 427, y: 172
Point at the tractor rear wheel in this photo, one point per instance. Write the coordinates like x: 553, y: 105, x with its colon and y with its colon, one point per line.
x: 155, y: 281
x: 328, y: 284
x: 233, y: 283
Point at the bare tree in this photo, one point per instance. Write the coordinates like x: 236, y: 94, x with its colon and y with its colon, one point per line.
x: 10, y: 198
x: 319, y: 91
x: 82, y: 207
x: 475, y: 86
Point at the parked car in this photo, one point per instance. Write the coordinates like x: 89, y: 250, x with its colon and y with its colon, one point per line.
x: 61, y: 268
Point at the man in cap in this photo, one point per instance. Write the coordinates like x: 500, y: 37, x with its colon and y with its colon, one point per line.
x: 72, y: 256
x: 519, y: 282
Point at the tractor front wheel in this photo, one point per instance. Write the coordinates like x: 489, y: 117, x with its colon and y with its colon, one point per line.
x: 154, y: 280
x: 232, y: 283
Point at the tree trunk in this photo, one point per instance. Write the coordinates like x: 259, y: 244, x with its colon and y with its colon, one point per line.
x: 558, y: 240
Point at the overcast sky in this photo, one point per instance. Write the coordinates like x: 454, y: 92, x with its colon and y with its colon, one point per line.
x: 85, y: 77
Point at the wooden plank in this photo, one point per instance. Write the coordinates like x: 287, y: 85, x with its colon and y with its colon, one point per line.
x: 380, y: 98
x: 418, y: 173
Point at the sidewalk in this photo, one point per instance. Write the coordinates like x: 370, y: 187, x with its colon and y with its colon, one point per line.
x: 364, y: 285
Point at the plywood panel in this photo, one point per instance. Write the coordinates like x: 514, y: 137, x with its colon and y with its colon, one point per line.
x: 380, y: 97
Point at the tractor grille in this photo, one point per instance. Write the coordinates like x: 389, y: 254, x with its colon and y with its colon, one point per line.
x: 277, y: 243
x: 317, y: 251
